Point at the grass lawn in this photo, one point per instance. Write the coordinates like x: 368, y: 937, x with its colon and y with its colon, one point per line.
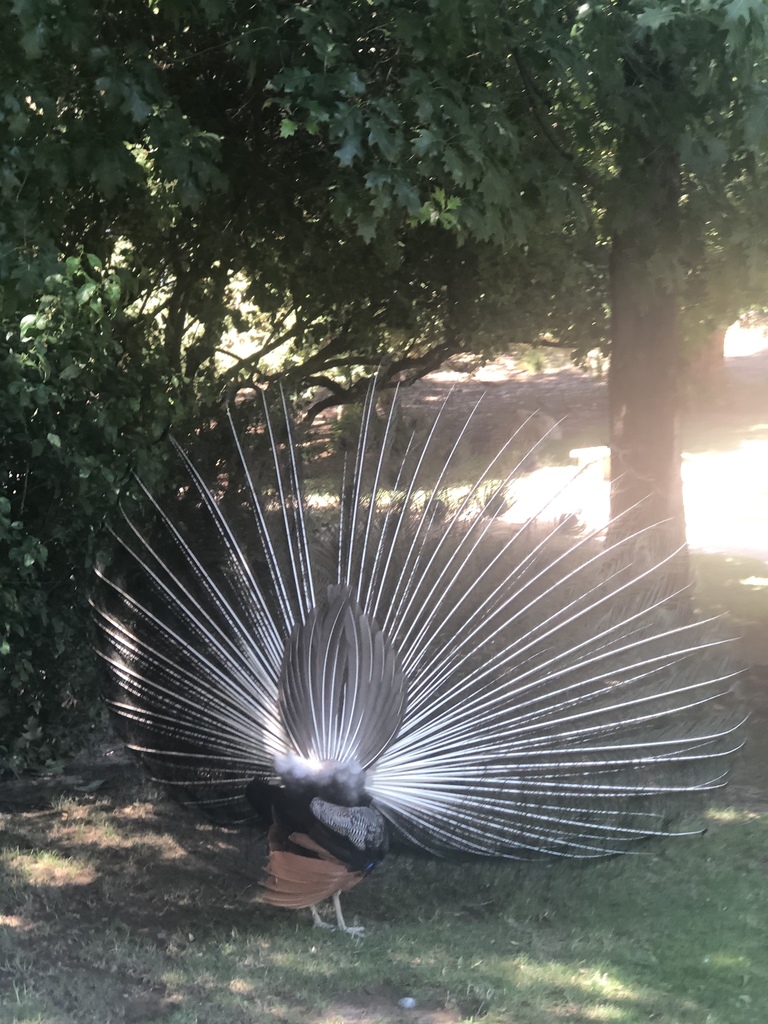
x: 120, y: 908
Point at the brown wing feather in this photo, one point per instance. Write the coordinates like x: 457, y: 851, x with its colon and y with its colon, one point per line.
x: 297, y: 880
x: 307, y: 843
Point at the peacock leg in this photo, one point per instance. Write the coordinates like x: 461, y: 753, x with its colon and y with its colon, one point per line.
x: 317, y: 920
x: 342, y: 926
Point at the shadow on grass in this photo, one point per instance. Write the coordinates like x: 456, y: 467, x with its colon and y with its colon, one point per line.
x: 107, y: 917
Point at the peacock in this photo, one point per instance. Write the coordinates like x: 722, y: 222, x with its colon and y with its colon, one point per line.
x: 347, y: 645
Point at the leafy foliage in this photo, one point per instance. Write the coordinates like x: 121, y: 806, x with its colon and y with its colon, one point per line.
x: 307, y: 191
x: 79, y: 409
x: 301, y: 175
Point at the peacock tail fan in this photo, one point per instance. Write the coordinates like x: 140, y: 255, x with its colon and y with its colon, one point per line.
x: 491, y: 686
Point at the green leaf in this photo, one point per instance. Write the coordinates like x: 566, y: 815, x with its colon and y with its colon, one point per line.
x: 408, y: 196
x: 135, y: 105
x: 109, y: 174
x: 366, y: 228
x: 355, y: 85
x: 741, y: 10
x: 349, y: 151
x: 27, y: 323
x: 113, y: 289
x: 32, y: 42
x: 653, y: 17
x: 424, y: 141
x: 85, y: 292
x: 386, y: 141
x: 756, y: 123
x: 54, y: 439
x: 287, y: 128
x: 18, y: 124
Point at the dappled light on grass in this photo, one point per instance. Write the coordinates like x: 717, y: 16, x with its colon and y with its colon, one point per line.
x: 14, y: 921
x: 730, y: 815
x: 726, y: 499
x: 725, y: 494
x: 725, y: 470
x: 758, y: 582
x: 668, y: 937
x: 563, y: 989
x: 44, y: 868
x: 733, y: 963
x: 554, y: 493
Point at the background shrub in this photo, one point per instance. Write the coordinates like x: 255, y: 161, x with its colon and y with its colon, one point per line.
x: 82, y: 404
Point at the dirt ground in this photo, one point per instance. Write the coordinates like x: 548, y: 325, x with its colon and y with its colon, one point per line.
x: 736, y: 415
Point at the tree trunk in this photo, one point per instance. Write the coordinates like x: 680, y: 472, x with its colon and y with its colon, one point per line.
x: 646, y: 481
x: 704, y: 371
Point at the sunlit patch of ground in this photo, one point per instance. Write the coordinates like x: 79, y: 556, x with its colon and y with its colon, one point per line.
x: 726, y: 499
x: 50, y: 869
x: 555, y: 492
x: 725, y: 491
x: 744, y: 341
x: 726, y: 486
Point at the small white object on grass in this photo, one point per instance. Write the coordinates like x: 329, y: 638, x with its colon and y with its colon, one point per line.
x: 407, y: 1003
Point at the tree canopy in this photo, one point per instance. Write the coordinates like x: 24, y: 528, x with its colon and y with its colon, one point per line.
x: 196, y: 196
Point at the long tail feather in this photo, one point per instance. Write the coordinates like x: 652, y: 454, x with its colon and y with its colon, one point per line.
x: 494, y: 688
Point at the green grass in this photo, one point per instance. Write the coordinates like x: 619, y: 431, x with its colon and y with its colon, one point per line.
x: 126, y: 923
x: 732, y: 584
